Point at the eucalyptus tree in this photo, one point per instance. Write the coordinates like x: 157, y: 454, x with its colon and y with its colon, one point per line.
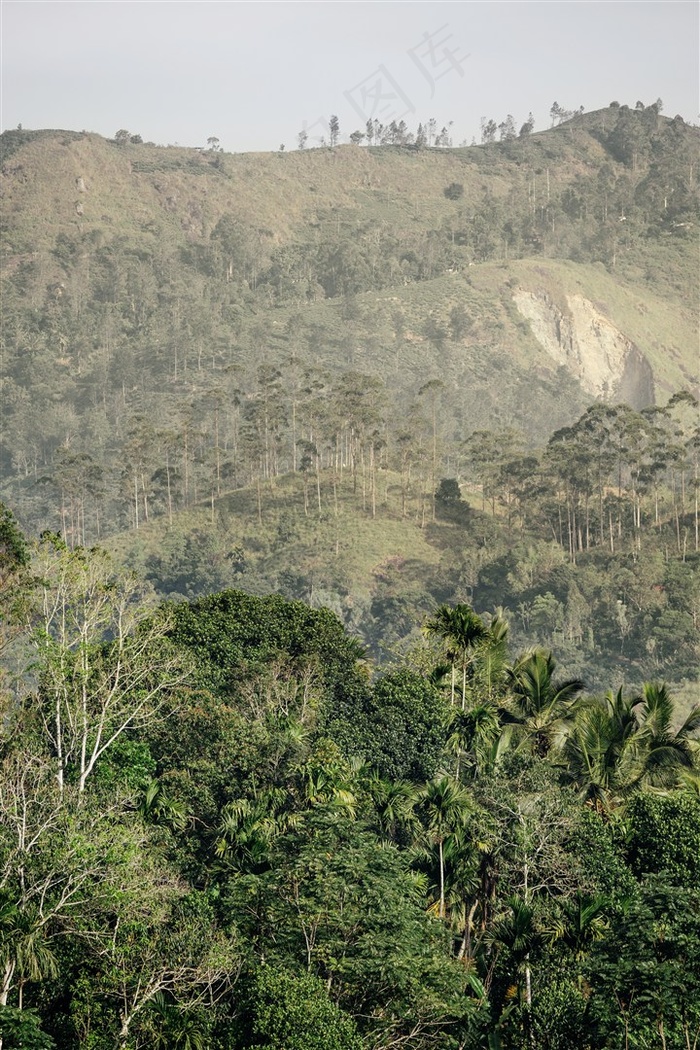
x: 487, y: 451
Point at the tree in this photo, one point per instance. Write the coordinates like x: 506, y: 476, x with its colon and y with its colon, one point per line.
x: 528, y: 126
x: 346, y: 909
x: 664, y: 836
x: 334, y: 130
x: 290, y: 1011
x: 446, y: 806
x: 405, y: 726
x: 460, y: 323
x: 666, y: 751
x: 558, y: 114
x: 168, y: 945
x: 506, y: 130
x: 460, y: 630
x: 516, y: 930
x: 541, y: 706
x: 107, y: 666
x: 600, y: 751
x: 643, y: 976
x: 16, y: 580
x: 302, y: 138
x: 22, y: 1029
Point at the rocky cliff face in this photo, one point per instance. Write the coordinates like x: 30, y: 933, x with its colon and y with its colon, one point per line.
x: 607, y: 364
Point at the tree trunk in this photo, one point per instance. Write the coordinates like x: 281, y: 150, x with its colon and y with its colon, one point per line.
x: 442, y: 881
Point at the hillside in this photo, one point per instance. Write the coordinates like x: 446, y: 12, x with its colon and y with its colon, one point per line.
x: 180, y: 326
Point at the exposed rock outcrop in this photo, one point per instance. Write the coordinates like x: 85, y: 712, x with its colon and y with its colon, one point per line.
x: 606, y: 362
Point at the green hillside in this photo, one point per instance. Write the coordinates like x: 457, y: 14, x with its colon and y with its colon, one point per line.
x: 300, y: 345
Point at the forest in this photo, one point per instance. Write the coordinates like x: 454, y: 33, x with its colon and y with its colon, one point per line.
x: 349, y: 612
x: 220, y: 828
x: 589, y: 543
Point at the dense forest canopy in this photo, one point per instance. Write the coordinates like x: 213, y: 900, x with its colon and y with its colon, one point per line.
x: 219, y: 829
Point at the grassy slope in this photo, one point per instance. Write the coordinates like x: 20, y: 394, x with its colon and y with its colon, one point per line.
x: 150, y: 194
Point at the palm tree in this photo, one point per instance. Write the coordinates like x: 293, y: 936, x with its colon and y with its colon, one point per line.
x: 619, y: 744
x: 601, y: 752
x: 446, y: 806
x: 468, y: 630
x: 158, y: 807
x: 665, y: 753
x: 516, y: 930
x: 474, y: 736
x: 394, y: 806
x: 490, y: 659
x: 460, y: 630
x: 583, y: 921
x: 440, y: 626
x: 248, y: 827
x: 539, y: 705
x: 24, y: 952
x: 177, y: 1029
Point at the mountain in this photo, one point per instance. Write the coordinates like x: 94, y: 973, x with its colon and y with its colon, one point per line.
x: 276, y: 336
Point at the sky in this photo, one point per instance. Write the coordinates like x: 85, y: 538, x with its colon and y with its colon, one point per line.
x: 254, y: 75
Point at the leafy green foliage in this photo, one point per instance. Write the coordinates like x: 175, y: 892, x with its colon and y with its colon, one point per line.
x: 644, y: 975
x: 294, y: 1012
x: 403, y: 725
x: 22, y: 1028
x: 665, y: 837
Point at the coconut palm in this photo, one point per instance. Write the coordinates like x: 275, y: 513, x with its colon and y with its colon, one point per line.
x: 541, y: 707
x: 601, y: 752
x: 666, y: 752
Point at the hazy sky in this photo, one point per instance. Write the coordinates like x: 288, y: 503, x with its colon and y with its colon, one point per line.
x: 255, y: 74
